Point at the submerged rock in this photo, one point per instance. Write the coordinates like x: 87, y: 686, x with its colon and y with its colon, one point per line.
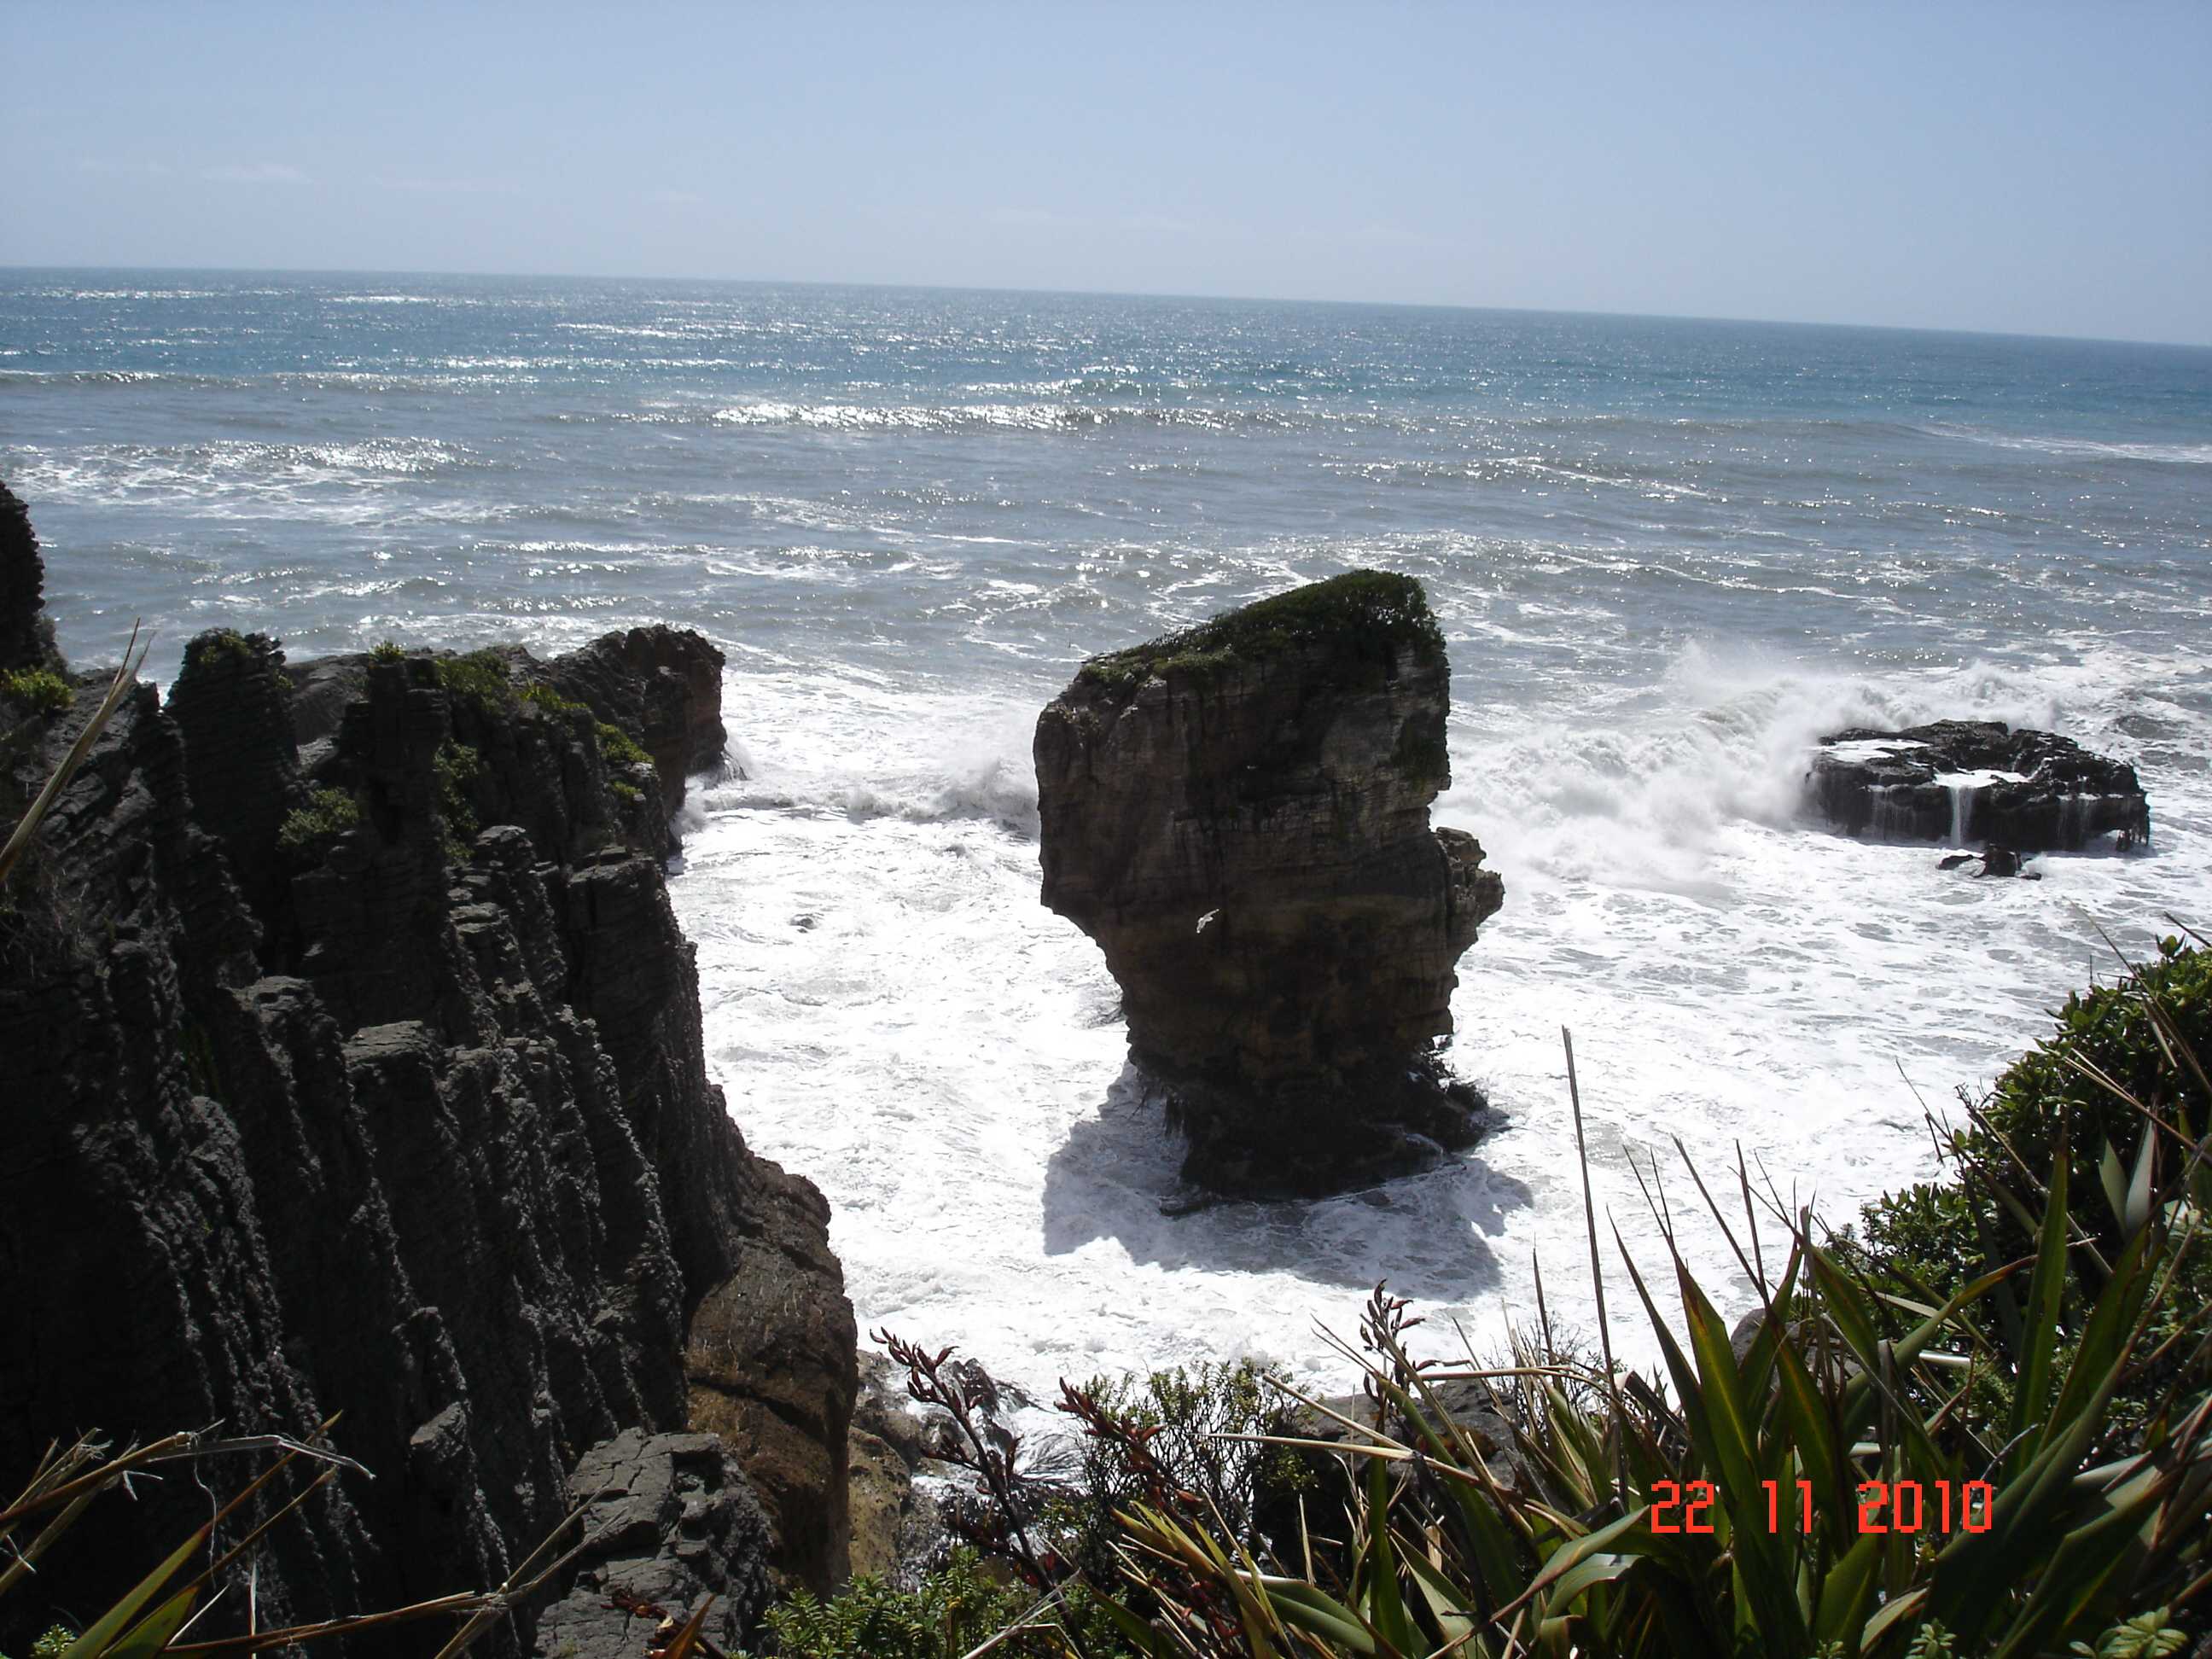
x: 1238, y: 815
x: 1967, y: 781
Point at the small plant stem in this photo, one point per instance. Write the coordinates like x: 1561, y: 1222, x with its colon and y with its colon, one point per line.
x: 1597, y: 1273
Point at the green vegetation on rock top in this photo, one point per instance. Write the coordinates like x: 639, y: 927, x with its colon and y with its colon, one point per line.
x: 481, y: 675
x: 1368, y: 614
x: 39, y: 690
x: 205, y: 650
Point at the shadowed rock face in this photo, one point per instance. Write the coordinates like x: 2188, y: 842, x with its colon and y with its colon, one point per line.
x: 364, y: 1072
x: 663, y: 687
x: 1239, y: 816
x: 1964, y: 782
x: 27, y: 638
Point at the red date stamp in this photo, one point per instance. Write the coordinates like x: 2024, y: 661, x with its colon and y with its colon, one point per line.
x: 1907, y: 1506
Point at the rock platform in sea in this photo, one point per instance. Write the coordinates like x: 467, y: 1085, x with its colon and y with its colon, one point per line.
x: 1238, y: 814
x: 1976, y: 782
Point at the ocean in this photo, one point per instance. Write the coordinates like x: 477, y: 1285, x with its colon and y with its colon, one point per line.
x: 1667, y: 556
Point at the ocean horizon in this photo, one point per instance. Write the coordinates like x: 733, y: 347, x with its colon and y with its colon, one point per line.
x: 1666, y: 554
x: 360, y: 275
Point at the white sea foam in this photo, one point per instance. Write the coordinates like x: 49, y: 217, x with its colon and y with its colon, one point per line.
x: 896, y: 1016
x: 2092, y: 448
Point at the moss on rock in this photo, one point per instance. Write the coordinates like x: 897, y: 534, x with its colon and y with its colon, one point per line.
x: 1367, y: 617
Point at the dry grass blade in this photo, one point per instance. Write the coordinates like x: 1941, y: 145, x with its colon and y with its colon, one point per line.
x: 1597, y: 1269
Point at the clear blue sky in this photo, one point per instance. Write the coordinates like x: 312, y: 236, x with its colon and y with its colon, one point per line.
x: 2028, y: 167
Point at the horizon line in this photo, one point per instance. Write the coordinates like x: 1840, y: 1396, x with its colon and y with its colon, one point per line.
x: 1131, y: 293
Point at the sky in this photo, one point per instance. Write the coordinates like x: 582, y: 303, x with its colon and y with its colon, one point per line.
x: 2021, y: 167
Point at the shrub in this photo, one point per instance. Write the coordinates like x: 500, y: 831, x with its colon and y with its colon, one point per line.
x: 40, y: 690
x: 619, y: 747
x: 539, y: 695
x: 952, y: 1611
x: 386, y: 651
x: 480, y: 676
x: 219, y: 642
x: 307, y: 831
x: 456, y: 767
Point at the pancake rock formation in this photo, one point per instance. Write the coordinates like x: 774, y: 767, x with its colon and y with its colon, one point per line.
x: 1238, y: 814
x: 354, y: 1064
x: 1961, y: 782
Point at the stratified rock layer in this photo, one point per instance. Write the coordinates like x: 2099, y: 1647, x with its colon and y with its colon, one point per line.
x: 1972, y: 782
x: 1239, y: 816
x: 354, y: 1063
x: 670, y: 1520
x: 27, y: 638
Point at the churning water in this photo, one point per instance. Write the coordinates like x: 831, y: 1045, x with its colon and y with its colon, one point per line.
x: 1666, y: 555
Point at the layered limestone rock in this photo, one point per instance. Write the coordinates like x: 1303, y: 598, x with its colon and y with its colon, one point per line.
x: 669, y: 1520
x: 1976, y: 782
x: 364, y: 1073
x: 664, y: 686
x: 27, y: 638
x: 1239, y: 816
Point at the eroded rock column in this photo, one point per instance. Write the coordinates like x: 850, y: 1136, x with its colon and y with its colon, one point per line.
x: 1239, y: 816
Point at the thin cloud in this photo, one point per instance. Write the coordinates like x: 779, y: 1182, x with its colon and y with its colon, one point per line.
x: 683, y: 198
x: 254, y: 173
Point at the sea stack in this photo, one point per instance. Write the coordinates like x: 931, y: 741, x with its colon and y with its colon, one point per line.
x: 1972, y: 782
x: 1238, y: 814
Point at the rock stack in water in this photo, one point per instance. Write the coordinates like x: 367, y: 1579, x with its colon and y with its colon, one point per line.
x: 1239, y: 816
x: 1975, y: 782
x: 353, y: 1064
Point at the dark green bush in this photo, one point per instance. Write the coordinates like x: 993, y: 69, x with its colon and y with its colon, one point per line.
x: 221, y: 642
x: 308, y: 830
x: 1942, y: 1233
x: 955, y: 1609
x: 386, y: 651
x: 456, y: 767
x: 481, y: 677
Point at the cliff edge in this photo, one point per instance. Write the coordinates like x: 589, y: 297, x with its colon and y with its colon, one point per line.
x: 355, y: 1065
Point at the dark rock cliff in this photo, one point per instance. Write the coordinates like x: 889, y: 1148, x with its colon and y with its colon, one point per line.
x: 27, y: 638
x: 1239, y: 815
x: 1963, y: 782
x: 354, y: 1064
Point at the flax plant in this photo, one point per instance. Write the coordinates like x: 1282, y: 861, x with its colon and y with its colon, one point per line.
x: 1831, y: 1483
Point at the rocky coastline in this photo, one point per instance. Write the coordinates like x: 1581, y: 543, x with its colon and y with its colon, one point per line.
x: 355, y: 1069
